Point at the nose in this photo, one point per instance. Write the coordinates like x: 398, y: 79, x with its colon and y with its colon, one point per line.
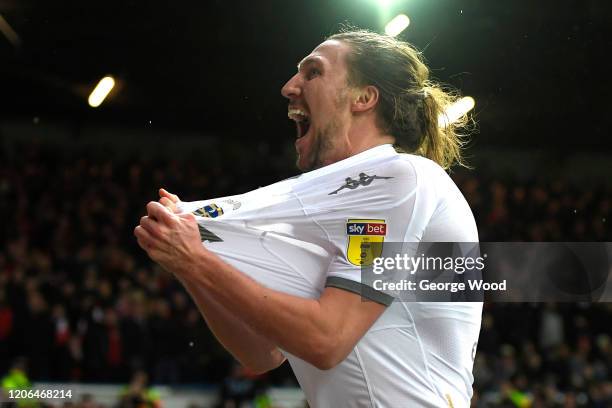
x: 293, y: 87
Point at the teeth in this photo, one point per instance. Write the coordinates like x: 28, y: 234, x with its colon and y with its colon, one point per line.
x: 297, y: 115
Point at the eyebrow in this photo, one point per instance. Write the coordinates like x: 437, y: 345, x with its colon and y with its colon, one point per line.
x: 308, y: 61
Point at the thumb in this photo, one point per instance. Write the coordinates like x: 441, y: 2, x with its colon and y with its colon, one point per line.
x: 164, y: 193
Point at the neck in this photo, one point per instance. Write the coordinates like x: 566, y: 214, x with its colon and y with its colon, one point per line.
x: 361, y: 136
x: 366, y: 135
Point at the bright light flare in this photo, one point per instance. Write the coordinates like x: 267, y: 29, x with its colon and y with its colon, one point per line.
x: 101, y: 91
x: 397, y: 25
x: 456, y: 111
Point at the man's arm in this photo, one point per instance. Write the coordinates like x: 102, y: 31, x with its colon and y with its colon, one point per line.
x: 321, y: 331
x: 252, y: 350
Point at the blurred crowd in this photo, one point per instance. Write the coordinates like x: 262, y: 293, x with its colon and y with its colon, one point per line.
x: 82, y: 302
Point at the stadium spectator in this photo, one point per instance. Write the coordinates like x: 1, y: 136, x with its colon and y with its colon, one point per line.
x: 78, y: 252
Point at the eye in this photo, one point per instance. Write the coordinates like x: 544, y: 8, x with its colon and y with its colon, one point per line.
x: 312, y: 73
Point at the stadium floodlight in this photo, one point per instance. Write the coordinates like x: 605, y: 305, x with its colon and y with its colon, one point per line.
x: 397, y: 25
x: 456, y: 111
x: 101, y: 91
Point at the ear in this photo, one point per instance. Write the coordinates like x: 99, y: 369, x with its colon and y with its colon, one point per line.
x: 365, y: 99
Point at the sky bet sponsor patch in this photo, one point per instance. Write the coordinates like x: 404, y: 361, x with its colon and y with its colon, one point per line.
x: 361, y: 234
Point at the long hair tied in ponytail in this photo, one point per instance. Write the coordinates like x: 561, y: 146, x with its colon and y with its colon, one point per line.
x: 412, y: 108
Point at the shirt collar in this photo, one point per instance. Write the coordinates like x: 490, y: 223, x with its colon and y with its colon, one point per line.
x: 380, y: 151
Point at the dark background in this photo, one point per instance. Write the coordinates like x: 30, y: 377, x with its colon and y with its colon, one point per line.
x: 537, y: 70
x: 197, y: 109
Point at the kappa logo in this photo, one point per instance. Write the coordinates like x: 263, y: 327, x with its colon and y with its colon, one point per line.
x: 209, y: 211
x: 364, y: 180
x: 365, y: 238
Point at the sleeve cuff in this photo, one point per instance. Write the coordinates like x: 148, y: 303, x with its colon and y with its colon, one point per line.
x: 359, y: 288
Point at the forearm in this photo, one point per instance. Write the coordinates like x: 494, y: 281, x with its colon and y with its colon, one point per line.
x: 252, y: 350
x: 297, y: 325
x: 321, y: 331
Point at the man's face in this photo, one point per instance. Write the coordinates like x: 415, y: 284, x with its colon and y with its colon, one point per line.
x: 319, y: 103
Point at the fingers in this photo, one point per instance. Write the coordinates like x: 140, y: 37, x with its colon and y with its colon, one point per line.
x: 145, y: 240
x: 172, y: 197
x: 152, y: 227
x: 159, y: 212
x: 166, y: 202
x: 188, y: 216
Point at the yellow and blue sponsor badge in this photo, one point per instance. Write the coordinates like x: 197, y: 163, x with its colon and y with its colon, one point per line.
x: 363, y: 235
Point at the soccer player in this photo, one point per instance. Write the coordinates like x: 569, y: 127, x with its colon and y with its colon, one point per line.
x: 276, y: 272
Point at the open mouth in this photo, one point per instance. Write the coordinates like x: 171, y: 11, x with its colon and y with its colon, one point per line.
x: 302, y: 127
x: 302, y: 121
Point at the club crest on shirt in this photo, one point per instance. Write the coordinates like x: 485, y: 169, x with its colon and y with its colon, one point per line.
x: 361, y: 235
x: 209, y: 211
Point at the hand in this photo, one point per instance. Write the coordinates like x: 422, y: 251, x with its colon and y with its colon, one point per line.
x: 171, y: 240
x: 169, y: 200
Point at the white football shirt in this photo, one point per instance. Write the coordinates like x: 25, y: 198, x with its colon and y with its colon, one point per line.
x: 305, y: 233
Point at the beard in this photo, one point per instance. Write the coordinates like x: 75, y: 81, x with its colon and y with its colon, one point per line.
x: 322, y: 146
x: 325, y: 139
